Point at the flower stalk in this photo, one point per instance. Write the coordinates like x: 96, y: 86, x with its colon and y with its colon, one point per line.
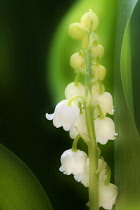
x: 83, y: 114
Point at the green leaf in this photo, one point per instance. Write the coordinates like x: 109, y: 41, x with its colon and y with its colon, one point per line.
x: 127, y: 145
x: 19, y: 188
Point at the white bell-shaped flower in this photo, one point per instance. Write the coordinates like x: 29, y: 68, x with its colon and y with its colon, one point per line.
x: 104, y: 129
x: 84, y: 177
x: 107, y: 196
x: 73, y: 162
x: 64, y: 115
x: 107, y: 192
x: 105, y: 101
x: 79, y: 125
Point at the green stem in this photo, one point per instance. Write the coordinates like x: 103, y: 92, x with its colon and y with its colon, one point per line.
x: 77, y: 78
x: 73, y: 98
x: 92, y: 146
x: 93, y: 164
x: 75, y: 142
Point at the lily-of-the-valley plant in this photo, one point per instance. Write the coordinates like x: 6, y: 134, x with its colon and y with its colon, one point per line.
x: 85, y: 113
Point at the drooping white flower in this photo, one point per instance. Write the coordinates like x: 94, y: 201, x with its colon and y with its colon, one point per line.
x: 64, y: 115
x: 105, y: 101
x: 79, y: 125
x: 107, y: 192
x: 73, y: 162
x: 107, y: 196
x: 84, y: 177
x: 104, y: 130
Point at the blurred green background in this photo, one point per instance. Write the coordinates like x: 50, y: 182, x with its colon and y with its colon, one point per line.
x: 26, y: 31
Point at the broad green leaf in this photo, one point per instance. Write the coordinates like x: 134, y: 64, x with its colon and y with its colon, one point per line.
x: 127, y: 145
x: 19, y: 188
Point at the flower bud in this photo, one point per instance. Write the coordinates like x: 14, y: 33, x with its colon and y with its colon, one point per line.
x: 77, y: 31
x: 76, y: 90
x: 90, y: 20
x: 99, y: 71
x: 73, y: 90
x: 77, y: 62
x: 97, y: 51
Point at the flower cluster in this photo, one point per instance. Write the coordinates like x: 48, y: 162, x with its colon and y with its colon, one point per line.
x: 70, y: 113
x: 77, y: 163
x: 86, y: 109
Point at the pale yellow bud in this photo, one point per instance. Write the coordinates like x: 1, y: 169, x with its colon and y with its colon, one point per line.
x: 97, y: 51
x: 77, y: 62
x: 99, y: 71
x: 77, y: 31
x: 90, y: 20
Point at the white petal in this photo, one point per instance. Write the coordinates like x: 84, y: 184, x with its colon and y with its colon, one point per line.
x: 107, y: 196
x: 102, y: 177
x: 73, y: 162
x: 79, y: 125
x: 77, y: 178
x: 84, y: 177
x: 65, y: 115
x: 104, y: 129
x: 70, y: 114
x: 49, y: 116
x: 105, y: 102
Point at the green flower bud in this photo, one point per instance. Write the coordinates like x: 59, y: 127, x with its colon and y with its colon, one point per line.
x: 77, y: 62
x: 90, y: 20
x: 97, y: 51
x: 99, y: 71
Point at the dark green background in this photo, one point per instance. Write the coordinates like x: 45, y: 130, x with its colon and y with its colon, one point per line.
x: 26, y: 30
